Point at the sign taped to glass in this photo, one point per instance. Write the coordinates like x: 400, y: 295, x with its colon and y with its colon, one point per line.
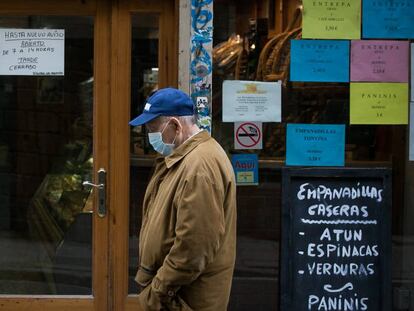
x: 32, y: 52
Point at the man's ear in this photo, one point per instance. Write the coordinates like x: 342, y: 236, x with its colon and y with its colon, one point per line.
x: 178, y: 126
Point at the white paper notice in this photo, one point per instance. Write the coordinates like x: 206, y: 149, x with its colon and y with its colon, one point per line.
x: 32, y: 52
x: 411, y: 155
x: 252, y: 101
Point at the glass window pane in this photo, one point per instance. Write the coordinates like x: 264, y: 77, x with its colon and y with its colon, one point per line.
x: 256, y: 275
x: 45, y: 154
x: 244, y: 26
x: 241, y: 31
x: 144, y: 79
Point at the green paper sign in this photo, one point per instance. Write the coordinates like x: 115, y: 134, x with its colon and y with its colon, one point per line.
x: 379, y: 103
x: 334, y: 19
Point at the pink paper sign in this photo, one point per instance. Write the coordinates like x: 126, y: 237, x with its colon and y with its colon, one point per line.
x: 379, y: 61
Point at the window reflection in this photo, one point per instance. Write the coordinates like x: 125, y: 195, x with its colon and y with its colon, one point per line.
x: 45, y: 154
x: 144, y: 81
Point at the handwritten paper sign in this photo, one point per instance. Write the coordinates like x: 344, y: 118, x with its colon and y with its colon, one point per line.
x: 388, y: 19
x: 379, y: 61
x: 319, y: 61
x: 252, y: 101
x: 246, y: 169
x: 33, y: 52
x: 332, y: 19
x: 315, y: 144
x: 336, y: 239
x: 379, y: 103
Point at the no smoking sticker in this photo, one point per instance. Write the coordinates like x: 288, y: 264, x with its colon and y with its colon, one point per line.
x: 248, y: 135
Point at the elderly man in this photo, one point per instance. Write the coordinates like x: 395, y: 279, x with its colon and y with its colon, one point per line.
x: 188, y: 236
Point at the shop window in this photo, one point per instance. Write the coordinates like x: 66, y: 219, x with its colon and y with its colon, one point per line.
x: 252, y: 42
x: 247, y: 47
x: 45, y: 153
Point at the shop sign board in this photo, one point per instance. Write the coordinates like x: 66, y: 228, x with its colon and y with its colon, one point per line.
x: 248, y: 101
x: 336, y: 239
x: 319, y: 61
x: 315, y: 144
x: 32, y: 52
x: 379, y: 103
x: 388, y: 19
x: 246, y: 169
x: 379, y: 61
x: 331, y: 19
x: 248, y: 135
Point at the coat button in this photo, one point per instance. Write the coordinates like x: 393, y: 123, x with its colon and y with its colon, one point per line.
x: 171, y: 293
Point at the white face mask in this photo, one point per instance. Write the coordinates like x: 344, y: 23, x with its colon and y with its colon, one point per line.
x: 158, y: 144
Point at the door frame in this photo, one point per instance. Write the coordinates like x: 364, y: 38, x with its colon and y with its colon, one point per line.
x: 112, y: 81
x: 120, y: 138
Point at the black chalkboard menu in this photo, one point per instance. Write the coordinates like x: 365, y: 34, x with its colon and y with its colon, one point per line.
x: 336, y: 239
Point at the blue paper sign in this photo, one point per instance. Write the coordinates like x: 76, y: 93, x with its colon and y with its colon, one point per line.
x: 246, y: 169
x: 388, y: 19
x: 315, y: 145
x: 319, y: 60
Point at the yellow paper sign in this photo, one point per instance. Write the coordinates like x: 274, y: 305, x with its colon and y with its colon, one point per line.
x: 379, y: 103
x: 334, y: 19
x: 245, y: 177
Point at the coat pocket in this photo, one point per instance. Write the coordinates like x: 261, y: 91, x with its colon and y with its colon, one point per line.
x: 185, y: 306
x: 178, y: 304
x: 148, y: 301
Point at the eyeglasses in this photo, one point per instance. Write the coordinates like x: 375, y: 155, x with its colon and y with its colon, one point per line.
x: 154, y: 129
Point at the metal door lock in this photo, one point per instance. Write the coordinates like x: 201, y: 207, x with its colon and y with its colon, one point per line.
x: 101, y: 186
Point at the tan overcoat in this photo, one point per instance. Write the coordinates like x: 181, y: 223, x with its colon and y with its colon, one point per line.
x: 188, y: 236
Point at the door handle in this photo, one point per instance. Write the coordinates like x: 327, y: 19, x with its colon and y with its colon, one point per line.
x: 88, y: 183
x: 101, y: 186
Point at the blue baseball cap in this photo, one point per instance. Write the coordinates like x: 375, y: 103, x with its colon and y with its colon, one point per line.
x: 165, y: 102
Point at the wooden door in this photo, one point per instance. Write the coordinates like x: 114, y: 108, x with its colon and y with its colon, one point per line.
x: 49, y: 118
x: 130, y: 14
x: 66, y: 112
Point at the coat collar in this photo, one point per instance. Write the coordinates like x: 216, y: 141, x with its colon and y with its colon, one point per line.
x: 184, y: 149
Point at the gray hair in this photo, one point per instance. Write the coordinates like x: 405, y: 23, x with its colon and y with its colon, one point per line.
x: 186, y: 120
